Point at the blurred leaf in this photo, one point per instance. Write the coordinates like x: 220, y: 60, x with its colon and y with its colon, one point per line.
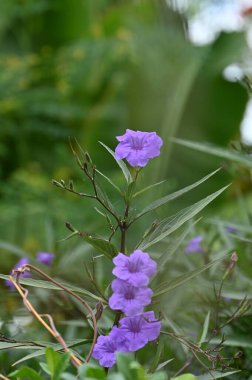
x: 115, y: 376
x: 217, y: 151
x: 171, y: 285
x: 91, y: 371
x: 123, y: 362
x: 48, y: 285
x: 26, y: 373
x: 13, y: 249
x: 160, y: 202
x: 57, y: 347
x: 215, y: 375
x: 186, y: 376
x: 162, y: 365
x: 57, y: 363
x: 122, y: 165
x: 109, y: 180
x: 234, y: 340
x: 205, y: 329
x: 171, y: 224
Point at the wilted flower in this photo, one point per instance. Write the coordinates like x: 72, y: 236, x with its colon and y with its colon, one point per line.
x: 139, y: 330
x: 138, y: 147
x: 129, y: 299
x: 194, y: 245
x: 136, y: 269
x: 107, y: 346
x: 45, y: 258
x: 25, y: 274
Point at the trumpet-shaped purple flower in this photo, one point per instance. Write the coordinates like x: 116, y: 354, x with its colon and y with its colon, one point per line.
x: 136, y: 269
x: 107, y: 346
x: 139, y: 330
x: 194, y: 245
x: 25, y: 274
x: 138, y: 147
x: 45, y: 258
x: 129, y: 299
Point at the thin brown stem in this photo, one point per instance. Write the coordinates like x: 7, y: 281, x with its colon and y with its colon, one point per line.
x: 24, y: 294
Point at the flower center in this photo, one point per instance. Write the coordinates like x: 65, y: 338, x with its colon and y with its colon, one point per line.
x: 135, y: 325
x: 137, y: 143
x: 129, y: 293
x: 134, y: 266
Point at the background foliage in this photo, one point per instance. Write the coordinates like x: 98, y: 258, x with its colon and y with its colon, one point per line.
x: 88, y: 70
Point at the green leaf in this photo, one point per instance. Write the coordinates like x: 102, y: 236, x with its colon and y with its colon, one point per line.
x: 123, y: 362
x: 215, y: 375
x: 171, y: 224
x: 237, y: 340
x: 166, y: 287
x: 186, y: 376
x: 160, y: 202
x: 48, y: 285
x: 109, y: 180
x: 158, y: 376
x: 26, y: 373
x: 205, y: 329
x: 122, y: 165
x: 13, y: 249
x: 115, y: 376
x: 101, y: 245
x: 57, y: 347
x: 57, y: 363
x: 91, y: 371
x: 148, y: 188
x: 217, y: 151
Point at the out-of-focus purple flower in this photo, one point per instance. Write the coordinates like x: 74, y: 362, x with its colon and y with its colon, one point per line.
x: 139, y: 330
x: 138, y: 147
x: 194, y: 245
x: 129, y: 299
x: 107, y: 346
x: 231, y: 229
x: 45, y: 258
x: 136, y: 269
x: 25, y: 274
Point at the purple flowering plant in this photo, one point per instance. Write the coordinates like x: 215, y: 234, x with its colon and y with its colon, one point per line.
x: 131, y: 300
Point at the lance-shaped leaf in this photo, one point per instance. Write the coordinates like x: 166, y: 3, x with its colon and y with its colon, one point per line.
x: 169, y: 225
x: 216, y: 375
x: 166, y: 287
x: 48, y: 285
x: 217, y: 151
x: 101, y: 245
x: 160, y: 202
x: 120, y: 163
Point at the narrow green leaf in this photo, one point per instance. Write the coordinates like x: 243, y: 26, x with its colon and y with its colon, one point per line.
x: 26, y: 373
x: 122, y: 165
x: 48, y: 285
x: 166, y: 287
x: 215, y: 375
x: 205, y: 329
x: 148, y: 188
x: 101, y: 245
x: 237, y: 340
x: 169, y: 225
x: 214, y: 150
x: 160, y: 202
x: 162, y: 365
x: 13, y: 249
x: 57, y: 347
x: 109, y: 180
x: 186, y: 376
x: 91, y: 371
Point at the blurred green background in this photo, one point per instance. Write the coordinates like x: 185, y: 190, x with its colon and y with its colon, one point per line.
x: 89, y: 69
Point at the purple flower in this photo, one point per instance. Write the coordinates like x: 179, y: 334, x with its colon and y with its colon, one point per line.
x: 139, y: 330
x: 136, y: 269
x: 107, y: 346
x: 194, y: 245
x: 45, y: 258
x: 25, y: 274
x: 129, y: 299
x: 138, y: 147
x: 231, y: 229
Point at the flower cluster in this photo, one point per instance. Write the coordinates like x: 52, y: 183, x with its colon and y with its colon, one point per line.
x: 45, y: 258
x: 130, y: 295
